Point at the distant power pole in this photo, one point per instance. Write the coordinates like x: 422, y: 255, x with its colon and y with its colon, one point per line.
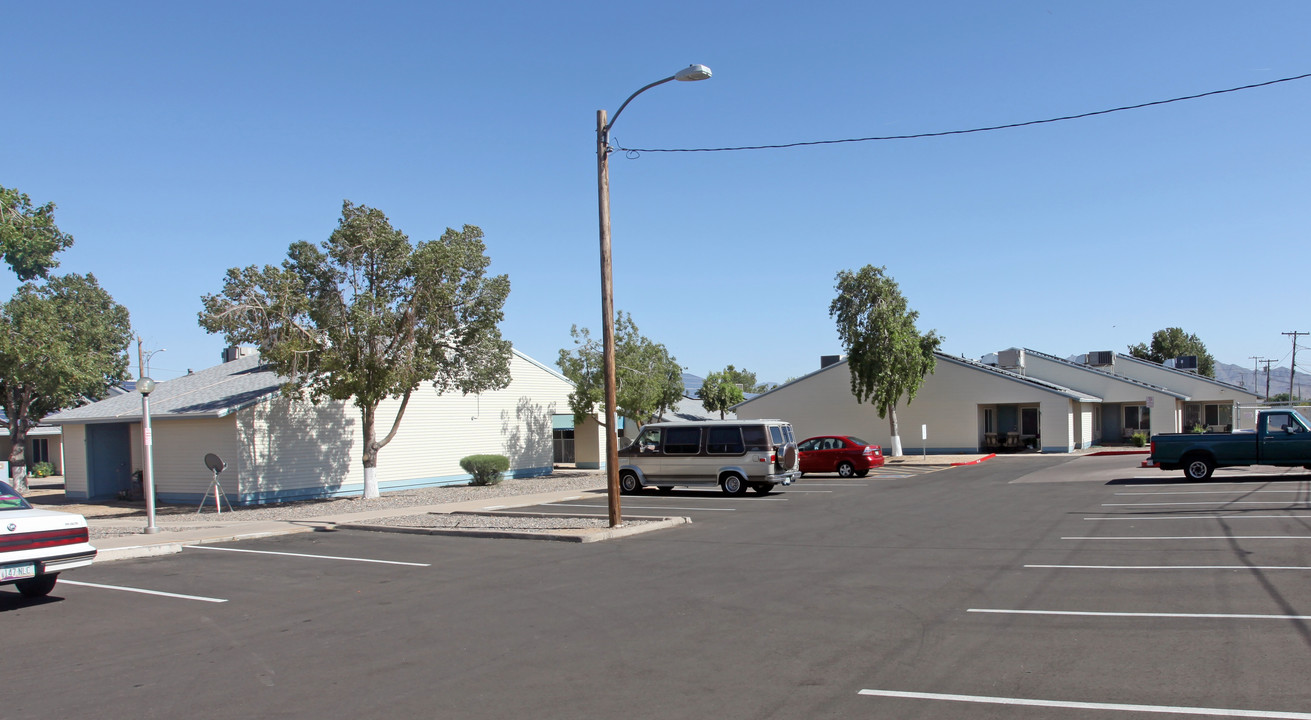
x: 1292, y: 373
x: 1267, y: 378
x: 1256, y: 362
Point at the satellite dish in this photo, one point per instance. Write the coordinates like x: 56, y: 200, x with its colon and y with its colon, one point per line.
x: 214, y: 462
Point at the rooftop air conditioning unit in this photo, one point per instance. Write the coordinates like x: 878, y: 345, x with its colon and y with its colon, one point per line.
x: 235, y: 353
x: 1012, y: 359
x: 1186, y: 362
x: 1101, y: 358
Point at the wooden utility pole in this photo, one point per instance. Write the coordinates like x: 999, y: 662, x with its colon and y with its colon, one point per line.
x: 1292, y: 373
x: 1256, y: 362
x: 1267, y: 378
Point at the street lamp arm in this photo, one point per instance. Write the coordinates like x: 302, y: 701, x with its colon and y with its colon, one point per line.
x: 630, y: 99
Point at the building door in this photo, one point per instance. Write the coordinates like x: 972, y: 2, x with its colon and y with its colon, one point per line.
x: 1029, y: 426
x: 108, y: 460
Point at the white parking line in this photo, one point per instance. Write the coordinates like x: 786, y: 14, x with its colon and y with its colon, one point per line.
x: 1208, y: 616
x: 305, y: 555
x: 1209, y: 502
x: 1214, y: 492
x: 1189, y: 537
x: 1172, y: 709
x: 141, y: 591
x: 1171, y: 567
x: 811, y: 484
x: 645, y: 507
x: 1199, y: 517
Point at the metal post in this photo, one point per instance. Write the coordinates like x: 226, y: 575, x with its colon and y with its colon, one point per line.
x: 145, y: 385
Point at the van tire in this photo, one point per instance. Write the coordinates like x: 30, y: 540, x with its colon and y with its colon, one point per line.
x: 629, y: 484
x: 763, y: 488
x: 1198, y: 467
x: 733, y: 485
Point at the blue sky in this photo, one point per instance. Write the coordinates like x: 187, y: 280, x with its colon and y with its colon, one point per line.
x: 182, y: 139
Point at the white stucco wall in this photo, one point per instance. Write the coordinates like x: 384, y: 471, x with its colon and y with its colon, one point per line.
x: 290, y: 450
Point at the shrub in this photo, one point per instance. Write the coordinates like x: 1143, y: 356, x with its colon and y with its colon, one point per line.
x: 1139, y: 439
x: 1199, y: 429
x: 43, y: 469
x: 485, y: 469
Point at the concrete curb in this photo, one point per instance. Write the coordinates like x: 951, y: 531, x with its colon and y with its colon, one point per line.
x: 586, y: 535
x: 130, y: 552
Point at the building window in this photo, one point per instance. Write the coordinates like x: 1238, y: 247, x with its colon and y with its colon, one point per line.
x: 989, y: 420
x: 40, y: 451
x: 1137, y: 417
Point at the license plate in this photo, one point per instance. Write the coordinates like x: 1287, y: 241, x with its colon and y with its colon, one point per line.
x: 17, y: 572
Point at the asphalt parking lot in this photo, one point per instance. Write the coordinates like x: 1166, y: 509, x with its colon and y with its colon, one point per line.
x: 1036, y: 587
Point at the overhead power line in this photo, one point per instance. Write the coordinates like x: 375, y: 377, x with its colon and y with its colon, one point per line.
x: 971, y: 130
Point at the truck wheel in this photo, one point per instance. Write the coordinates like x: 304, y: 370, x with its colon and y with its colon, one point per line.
x: 36, y: 587
x: 629, y: 484
x: 1199, y: 467
x: 733, y: 485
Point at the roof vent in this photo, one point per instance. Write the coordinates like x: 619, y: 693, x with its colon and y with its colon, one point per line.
x: 827, y: 360
x: 1101, y: 358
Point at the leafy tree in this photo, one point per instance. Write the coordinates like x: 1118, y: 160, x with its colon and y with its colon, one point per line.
x: 648, y: 380
x: 63, y: 341
x: 369, y: 316
x: 1171, y: 343
x: 887, y: 355
x: 29, y: 238
x: 745, y: 379
x: 720, y: 392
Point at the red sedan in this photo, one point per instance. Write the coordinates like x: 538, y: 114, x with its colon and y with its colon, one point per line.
x: 843, y: 454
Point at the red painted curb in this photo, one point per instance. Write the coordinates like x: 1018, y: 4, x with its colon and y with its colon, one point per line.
x: 976, y: 462
x: 1119, y: 452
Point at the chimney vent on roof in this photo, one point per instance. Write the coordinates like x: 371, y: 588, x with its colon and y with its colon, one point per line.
x: 827, y: 360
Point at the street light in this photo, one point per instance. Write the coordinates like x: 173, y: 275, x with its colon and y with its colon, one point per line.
x: 145, y: 386
x: 689, y: 73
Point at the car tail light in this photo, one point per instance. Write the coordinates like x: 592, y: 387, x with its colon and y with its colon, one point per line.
x: 1153, y: 453
x: 773, y: 457
x: 44, y: 539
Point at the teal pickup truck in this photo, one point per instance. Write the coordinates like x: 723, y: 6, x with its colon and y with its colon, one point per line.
x: 1282, y: 438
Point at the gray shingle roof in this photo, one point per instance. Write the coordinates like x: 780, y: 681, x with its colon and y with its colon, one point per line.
x: 213, y: 392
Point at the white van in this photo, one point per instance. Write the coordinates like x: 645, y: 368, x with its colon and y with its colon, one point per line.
x: 733, y: 454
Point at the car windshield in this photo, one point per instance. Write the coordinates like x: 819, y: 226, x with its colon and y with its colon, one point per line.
x: 857, y: 440
x: 11, y: 500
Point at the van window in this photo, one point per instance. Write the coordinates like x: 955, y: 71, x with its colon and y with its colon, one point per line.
x: 753, y: 436
x: 776, y: 434
x: 682, y: 441
x: 649, y: 442
x: 725, y: 441
x: 787, y: 433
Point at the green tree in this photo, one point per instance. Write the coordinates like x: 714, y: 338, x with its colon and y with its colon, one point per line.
x: 745, y: 379
x: 369, y: 316
x: 648, y: 380
x: 719, y: 391
x: 886, y: 354
x: 1171, y: 343
x: 64, y: 341
x: 29, y: 237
